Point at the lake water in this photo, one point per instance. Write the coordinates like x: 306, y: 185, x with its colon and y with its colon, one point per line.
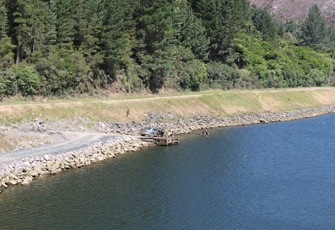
x: 269, y: 176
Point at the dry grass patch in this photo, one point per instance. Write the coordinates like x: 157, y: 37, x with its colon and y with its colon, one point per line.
x: 287, y: 100
x: 131, y: 108
x: 325, y: 97
x: 270, y: 105
x: 232, y: 103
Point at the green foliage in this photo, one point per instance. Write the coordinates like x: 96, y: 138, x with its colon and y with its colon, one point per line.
x: 263, y: 21
x: 6, y: 53
x: 130, y: 78
x: 221, y: 76
x: 194, y: 74
x: 289, y: 66
x: 8, y: 86
x: 113, y: 37
x: 187, y: 72
x: 3, y: 20
x: 192, y: 34
x: 80, y: 46
x: 156, y: 36
x: 222, y: 20
x: 64, y: 72
x: 2, y: 88
x: 247, y: 80
x: 65, y: 23
x: 314, y: 30
x: 27, y: 80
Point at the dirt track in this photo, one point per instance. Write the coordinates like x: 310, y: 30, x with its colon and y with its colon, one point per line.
x: 159, y: 97
x: 71, y: 141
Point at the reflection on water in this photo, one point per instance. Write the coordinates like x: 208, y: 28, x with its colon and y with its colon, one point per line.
x: 269, y: 176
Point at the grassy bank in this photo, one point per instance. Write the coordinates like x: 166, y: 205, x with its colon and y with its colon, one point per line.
x: 126, y: 108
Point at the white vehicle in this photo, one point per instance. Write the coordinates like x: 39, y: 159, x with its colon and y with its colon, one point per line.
x: 149, y: 131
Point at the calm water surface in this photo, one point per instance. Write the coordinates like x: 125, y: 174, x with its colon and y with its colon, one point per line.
x: 270, y: 176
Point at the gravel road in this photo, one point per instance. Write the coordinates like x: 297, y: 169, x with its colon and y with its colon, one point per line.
x: 71, y: 141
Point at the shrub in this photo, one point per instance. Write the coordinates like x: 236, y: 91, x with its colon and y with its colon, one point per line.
x: 27, y: 80
x: 8, y: 84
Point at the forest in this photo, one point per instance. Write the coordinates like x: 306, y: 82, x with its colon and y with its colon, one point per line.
x: 72, y: 47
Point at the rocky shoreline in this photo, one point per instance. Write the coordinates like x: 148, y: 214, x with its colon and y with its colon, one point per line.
x: 25, y: 171
x: 179, y: 125
x: 28, y: 169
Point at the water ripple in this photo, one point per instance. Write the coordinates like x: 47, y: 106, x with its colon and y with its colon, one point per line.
x: 271, y: 176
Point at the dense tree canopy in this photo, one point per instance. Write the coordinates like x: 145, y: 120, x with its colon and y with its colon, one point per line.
x: 62, y: 47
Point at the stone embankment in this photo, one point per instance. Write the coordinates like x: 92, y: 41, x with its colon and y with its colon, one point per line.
x: 25, y: 171
x: 178, y: 124
x: 28, y: 169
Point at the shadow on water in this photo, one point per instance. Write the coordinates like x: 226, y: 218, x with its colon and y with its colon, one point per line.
x: 269, y: 176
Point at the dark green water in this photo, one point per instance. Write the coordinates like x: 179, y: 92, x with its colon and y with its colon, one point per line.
x: 270, y: 176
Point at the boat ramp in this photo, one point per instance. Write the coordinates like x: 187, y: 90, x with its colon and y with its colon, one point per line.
x: 162, y: 140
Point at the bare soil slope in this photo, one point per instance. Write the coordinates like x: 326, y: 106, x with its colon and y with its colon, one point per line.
x: 297, y: 9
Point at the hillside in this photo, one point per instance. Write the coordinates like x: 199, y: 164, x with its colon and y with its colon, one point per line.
x: 136, y: 46
x: 297, y: 9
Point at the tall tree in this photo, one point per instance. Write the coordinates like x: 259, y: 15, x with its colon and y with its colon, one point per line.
x: 51, y: 26
x: 65, y: 23
x: 113, y: 36
x: 23, y: 28
x: 6, y: 47
x: 222, y: 19
x: 89, y: 19
x: 314, y: 30
x: 155, y: 49
x: 3, y: 20
x: 191, y: 33
x: 28, y: 24
x: 40, y: 30
x: 263, y: 21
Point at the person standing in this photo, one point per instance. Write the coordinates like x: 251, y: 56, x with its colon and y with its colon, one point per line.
x: 206, y: 133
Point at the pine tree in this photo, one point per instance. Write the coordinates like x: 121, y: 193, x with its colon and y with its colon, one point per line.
x: 6, y: 47
x: 222, y: 20
x: 191, y: 33
x: 40, y: 29
x: 22, y: 25
x: 28, y: 25
x: 331, y: 35
x: 263, y: 21
x: 3, y: 20
x: 155, y: 49
x: 89, y: 19
x: 314, y: 30
x: 51, y: 30
x: 65, y: 23
x: 113, y: 37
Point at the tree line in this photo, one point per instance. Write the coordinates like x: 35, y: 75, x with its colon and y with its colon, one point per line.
x: 70, y: 47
